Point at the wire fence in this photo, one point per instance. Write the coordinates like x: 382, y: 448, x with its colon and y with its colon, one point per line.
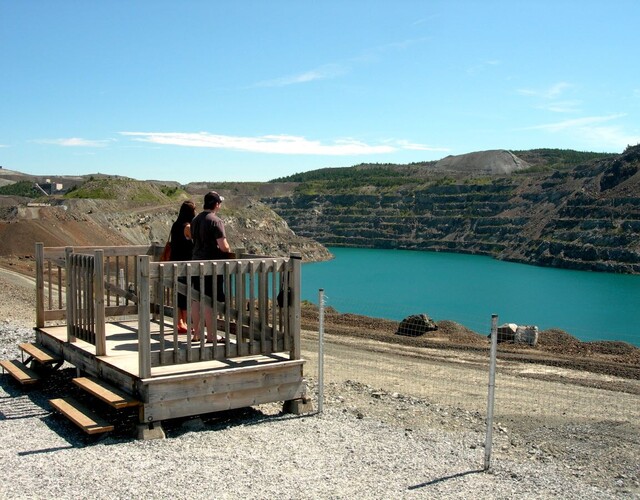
x: 541, y: 402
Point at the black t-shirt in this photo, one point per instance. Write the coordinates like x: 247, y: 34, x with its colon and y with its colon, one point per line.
x: 206, y: 229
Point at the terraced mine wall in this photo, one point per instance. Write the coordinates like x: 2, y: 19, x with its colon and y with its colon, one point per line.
x: 587, y: 218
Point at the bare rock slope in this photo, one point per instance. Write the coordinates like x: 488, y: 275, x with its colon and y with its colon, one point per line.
x: 499, y: 161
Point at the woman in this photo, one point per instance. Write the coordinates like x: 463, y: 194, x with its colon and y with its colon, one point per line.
x: 181, y: 249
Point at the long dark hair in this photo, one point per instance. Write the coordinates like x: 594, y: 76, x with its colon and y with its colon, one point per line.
x: 187, y: 212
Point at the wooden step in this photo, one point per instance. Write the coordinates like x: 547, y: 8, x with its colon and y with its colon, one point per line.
x: 105, y: 392
x: 19, y: 371
x: 86, y: 419
x: 39, y: 353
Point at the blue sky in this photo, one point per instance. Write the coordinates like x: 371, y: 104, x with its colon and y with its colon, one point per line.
x: 254, y: 90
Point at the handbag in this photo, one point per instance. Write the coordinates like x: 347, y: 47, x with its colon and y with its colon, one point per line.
x: 166, y: 252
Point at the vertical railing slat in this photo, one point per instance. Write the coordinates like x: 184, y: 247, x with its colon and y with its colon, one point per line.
x: 294, y: 306
x: 176, y: 312
x: 160, y: 306
x: 49, y: 288
x: 144, y: 318
x: 117, y: 279
x: 285, y: 310
x: 69, y: 293
x: 101, y: 340
x: 126, y: 277
x: 227, y: 308
x: 108, y: 279
x: 39, y: 285
x: 263, y: 304
x: 255, y: 348
x: 60, y: 287
x: 274, y: 307
x: 243, y: 347
x: 214, y: 309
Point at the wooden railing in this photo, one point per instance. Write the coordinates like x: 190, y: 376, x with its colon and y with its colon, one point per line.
x: 85, y: 286
x: 256, y: 318
x: 85, y: 299
x: 120, y: 278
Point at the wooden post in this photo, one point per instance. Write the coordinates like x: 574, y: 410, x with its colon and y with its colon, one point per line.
x: 144, y: 318
x: 294, y: 305
x: 40, y: 285
x: 98, y: 294
x: 68, y: 252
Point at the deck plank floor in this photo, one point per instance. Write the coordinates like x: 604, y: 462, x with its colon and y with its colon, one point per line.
x: 122, y: 350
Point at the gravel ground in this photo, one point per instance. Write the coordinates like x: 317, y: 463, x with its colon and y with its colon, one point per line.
x: 348, y: 451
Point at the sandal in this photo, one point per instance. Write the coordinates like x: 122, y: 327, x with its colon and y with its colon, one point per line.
x: 182, y: 329
x: 219, y: 340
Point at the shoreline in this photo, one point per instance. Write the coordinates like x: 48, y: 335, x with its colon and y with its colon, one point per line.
x: 555, y: 347
x: 455, y: 286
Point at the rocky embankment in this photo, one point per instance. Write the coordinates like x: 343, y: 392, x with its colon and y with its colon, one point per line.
x: 250, y: 224
x: 585, y: 218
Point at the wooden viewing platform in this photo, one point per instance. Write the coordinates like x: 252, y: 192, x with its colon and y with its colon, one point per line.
x: 110, y: 312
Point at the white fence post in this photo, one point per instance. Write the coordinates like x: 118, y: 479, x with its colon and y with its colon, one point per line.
x: 321, y: 351
x: 492, y: 387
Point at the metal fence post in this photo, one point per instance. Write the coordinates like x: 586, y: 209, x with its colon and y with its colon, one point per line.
x: 321, y: 350
x: 492, y: 386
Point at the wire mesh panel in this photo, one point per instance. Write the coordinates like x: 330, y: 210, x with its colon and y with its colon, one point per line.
x: 436, y: 374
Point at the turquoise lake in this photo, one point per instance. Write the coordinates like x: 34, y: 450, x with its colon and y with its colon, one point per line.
x: 467, y: 289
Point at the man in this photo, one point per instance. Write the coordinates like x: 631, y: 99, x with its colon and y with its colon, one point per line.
x: 209, y: 243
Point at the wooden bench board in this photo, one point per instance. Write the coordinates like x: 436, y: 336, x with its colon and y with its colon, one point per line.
x: 87, y: 420
x: 19, y: 371
x: 106, y: 392
x: 39, y: 353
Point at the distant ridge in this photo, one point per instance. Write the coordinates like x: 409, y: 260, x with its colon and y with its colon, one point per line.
x: 497, y: 161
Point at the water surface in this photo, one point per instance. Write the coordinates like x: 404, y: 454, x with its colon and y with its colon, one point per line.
x: 467, y: 289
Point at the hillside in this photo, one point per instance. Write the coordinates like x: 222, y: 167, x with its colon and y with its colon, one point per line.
x: 579, y: 213
x: 482, y: 162
x: 123, y: 211
x: 548, y: 207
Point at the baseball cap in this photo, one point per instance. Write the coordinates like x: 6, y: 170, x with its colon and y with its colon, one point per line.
x: 211, y: 198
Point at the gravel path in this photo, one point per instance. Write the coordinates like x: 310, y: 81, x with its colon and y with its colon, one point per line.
x: 345, y: 452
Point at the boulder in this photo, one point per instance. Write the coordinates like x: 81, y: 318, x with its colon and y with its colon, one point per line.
x: 416, y: 325
x: 510, y: 332
x: 526, y: 335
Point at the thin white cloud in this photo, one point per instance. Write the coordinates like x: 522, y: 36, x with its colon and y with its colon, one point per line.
x: 273, y: 144
x: 411, y: 146
x: 334, y: 70
x: 550, y: 98
x: 75, y: 142
x: 401, y: 45
x: 424, y: 20
x: 563, y: 106
x: 552, y: 92
x: 613, y: 136
x: 325, y: 72
x: 575, y: 123
x: 482, y: 65
x: 375, y: 54
x: 592, y: 131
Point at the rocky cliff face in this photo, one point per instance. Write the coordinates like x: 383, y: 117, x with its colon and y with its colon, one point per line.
x: 586, y: 218
x: 250, y: 225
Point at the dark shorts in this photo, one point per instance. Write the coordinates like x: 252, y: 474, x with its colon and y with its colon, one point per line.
x: 208, y: 287
x: 182, y: 299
